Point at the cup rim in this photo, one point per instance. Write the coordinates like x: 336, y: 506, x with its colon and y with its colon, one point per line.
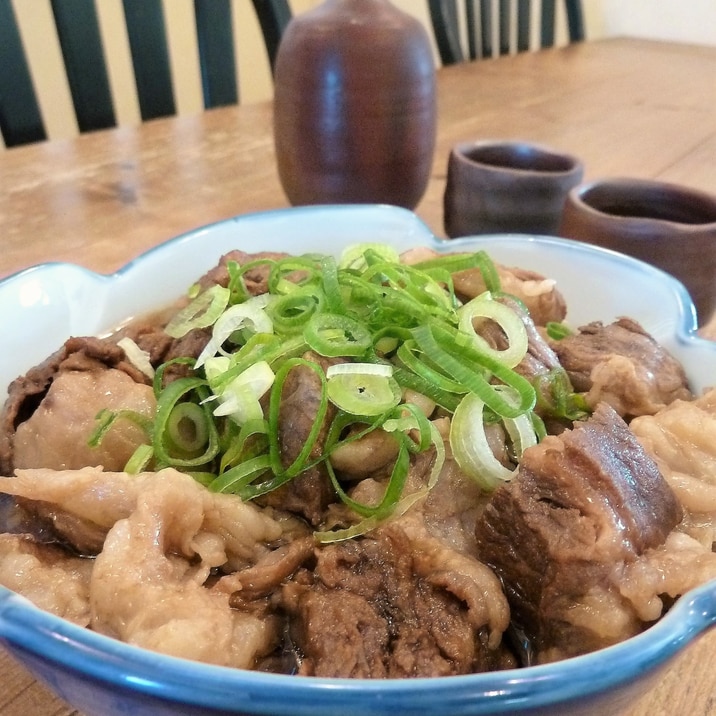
x: 645, y: 190
x: 572, y: 164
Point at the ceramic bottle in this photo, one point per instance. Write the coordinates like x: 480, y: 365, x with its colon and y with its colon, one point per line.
x: 354, y: 105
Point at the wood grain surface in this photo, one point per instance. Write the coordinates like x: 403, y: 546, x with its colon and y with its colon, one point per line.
x: 626, y: 107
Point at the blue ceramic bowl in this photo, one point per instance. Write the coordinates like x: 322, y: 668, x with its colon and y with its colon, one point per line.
x: 103, y: 677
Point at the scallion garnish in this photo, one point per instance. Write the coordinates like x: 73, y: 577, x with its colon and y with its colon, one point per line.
x: 384, y: 330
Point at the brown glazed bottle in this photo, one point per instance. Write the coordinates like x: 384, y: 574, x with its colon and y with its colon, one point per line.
x: 354, y: 105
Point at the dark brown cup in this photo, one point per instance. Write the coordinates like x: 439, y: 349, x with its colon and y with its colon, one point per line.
x: 507, y: 187
x: 670, y: 226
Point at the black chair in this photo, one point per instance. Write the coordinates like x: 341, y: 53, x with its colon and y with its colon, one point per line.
x: 478, y: 22
x: 82, y: 51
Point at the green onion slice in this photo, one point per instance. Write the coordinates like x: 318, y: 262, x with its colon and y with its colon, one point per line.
x: 200, y: 313
x: 239, y: 399
x: 363, y: 388
x: 170, y: 450
x: 334, y: 335
x: 354, y: 257
x: 470, y: 446
x: 251, y: 314
x: 484, y: 306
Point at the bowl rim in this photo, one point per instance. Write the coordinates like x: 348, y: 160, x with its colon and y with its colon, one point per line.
x: 113, y: 662
x: 117, y: 663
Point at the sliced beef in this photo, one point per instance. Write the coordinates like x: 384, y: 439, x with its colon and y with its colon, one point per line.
x: 310, y: 492
x: 621, y: 364
x: 581, y: 503
x: 78, y: 354
x: 256, y: 279
x: 539, y: 294
x: 370, y: 609
x: 261, y: 579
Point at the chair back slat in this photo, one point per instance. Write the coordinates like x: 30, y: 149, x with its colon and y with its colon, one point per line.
x: 146, y: 31
x: 273, y: 16
x: 485, y: 29
x: 81, y: 44
x: 548, y: 23
x: 504, y: 23
x: 446, y: 27
x: 217, y: 60
x: 575, y: 20
x: 524, y: 22
x: 20, y: 118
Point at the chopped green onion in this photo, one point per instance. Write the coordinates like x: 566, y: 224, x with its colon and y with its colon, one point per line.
x: 365, y: 390
x: 200, y: 313
x: 107, y: 418
x: 251, y: 313
x: 484, y: 306
x: 334, y: 336
x: 238, y: 293
x: 240, y: 398
x: 471, y: 448
x: 166, y: 451
x: 290, y: 312
x: 139, y: 460
x: 558, y: 331
x: 464, y: 262
x: 353, y: 257
x: 472, y: 368
x: 186, y: 427
x: 244, y: 474
x: 396, y: 328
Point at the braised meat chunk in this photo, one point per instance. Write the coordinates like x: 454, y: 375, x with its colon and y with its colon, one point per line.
x: 371, y: 609
x: 582, y: 502
x: 621, y: 364
x: 50, y: 412
x: 310, y: 493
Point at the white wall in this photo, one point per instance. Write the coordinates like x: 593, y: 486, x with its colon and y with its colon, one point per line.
x: 680, y: 20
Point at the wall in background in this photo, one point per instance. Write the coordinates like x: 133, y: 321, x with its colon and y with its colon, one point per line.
x: 679, y: 20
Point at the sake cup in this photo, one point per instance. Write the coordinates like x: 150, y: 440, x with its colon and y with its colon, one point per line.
x: 507, y: 187
x: 670, y: 226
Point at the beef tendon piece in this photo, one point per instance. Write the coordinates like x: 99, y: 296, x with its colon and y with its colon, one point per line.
x: 378, y: 608
x: 621, y: 364
x: 582, y: 503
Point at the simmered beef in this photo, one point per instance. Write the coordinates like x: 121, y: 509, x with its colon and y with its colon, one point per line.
x: 624, y: 366
x: 369, y: 610
x: 310, y: 493
x: 77, y: 355
x: 582, y: 502
x: 539, y: 294
x: 255, y: 279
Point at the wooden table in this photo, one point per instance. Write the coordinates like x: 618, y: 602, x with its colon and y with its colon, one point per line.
x: 626, y: 107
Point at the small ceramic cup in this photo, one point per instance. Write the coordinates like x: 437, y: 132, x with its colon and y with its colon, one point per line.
x: 670, y: 226
x: 507, y: 187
